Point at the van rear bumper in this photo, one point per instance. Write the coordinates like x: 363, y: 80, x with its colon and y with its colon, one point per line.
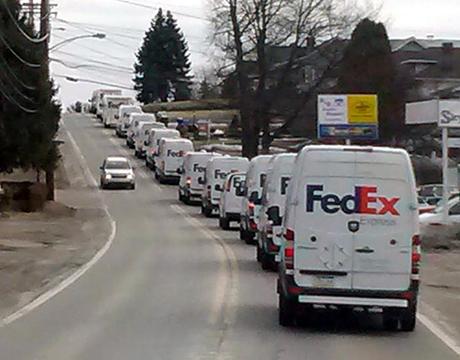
x: 353, y: 301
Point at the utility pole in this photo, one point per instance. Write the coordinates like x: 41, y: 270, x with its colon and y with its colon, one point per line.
x: 45, y: 13
x: 31, y: 13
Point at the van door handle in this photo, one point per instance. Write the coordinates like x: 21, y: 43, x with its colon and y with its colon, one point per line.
x: 365, y: 250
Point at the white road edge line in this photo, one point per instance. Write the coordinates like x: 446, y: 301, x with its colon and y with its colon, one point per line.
x: 431, y: 325
x: 40, y: 300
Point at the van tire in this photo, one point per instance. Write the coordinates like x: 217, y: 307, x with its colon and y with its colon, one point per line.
x: 242, y: 234
x: 265, y: 262
x: 258, y: 254
x: 249, y: 238
x: 225, y: 223
x: 286, y: 311
x: 181, y: 197
x: 409, y: 319
x: 207, y: 212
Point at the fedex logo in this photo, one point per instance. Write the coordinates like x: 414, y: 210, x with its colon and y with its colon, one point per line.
x: 198, y: 168
x: 219, y: 174
x: 173, y: 153
x: 365, y: 200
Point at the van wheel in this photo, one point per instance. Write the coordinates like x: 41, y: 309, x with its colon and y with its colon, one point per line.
x: 225, y: 223
x: 390, y: 321
x: 409, y: 319
x: 258, y: 254
x: 265, y: 261
x: 207, y: 211
x: 187, y: 200
x: 181, y: 197
x: 242, y: 234
x: 249, y: 238
x: 286, y: 311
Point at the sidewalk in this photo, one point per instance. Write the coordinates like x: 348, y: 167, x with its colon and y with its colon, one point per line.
x: 38, y: 250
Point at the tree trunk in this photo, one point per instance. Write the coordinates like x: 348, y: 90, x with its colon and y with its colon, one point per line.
x: 49, y: 176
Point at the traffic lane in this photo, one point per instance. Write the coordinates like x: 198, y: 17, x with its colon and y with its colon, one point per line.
x: 328, y: 337
x: 137, y: 301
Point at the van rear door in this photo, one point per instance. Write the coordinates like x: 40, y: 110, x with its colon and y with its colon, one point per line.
x: 387, y: 221
x: 323, y: 241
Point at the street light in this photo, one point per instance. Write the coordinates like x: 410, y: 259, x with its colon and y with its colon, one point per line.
x: 66, y: 41
x: 90, y: 81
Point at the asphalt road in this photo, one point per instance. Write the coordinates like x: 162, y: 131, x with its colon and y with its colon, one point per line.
x: 173, y: 286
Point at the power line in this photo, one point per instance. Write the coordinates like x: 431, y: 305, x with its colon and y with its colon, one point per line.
x: 122, y: 68
x: 11, y: 71
x: 16, y: 103
x: 145, y: 6
x: 17, y: 55
x: 18, y: 26
x: 19, y: 92
x: 76, y: 66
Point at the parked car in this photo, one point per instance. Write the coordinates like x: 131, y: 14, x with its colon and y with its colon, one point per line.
x: 170, y: 159
x: 251, y: 205
x: 435, y: 217
x: 192, y: 176
x: 231, y: 197
x: 217, y: 170
x: 351, y: 234
x: 269, y: 235
x: 432, y: 194
x: 116, y: 171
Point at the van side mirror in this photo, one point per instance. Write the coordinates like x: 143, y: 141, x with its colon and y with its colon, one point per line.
x: 101, y: 167
x: 218, y: 187
x: 273, y: 214
x: 179, y: 170
x: 254, y: 198
x: 201, y: 181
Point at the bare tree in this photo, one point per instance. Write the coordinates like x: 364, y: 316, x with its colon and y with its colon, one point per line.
x: 245, y: 29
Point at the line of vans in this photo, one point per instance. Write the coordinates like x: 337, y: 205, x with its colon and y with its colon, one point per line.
x: 141, y: 135
x: 98, y: 96
x: 340, y: 223
x: 135, y: 119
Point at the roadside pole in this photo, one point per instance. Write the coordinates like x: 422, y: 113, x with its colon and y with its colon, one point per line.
x: 44, y: 31
x: 445, y: 174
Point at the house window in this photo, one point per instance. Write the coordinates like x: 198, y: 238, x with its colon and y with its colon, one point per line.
x: 310, y: 75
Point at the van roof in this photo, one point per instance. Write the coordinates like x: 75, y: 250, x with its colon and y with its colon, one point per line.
x: 140, y: 116
x: 353, y: 148
x: 118, y: 97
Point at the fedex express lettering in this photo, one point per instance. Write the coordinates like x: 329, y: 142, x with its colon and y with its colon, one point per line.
x: 198, y: 168
x: 172, y: 153
x: 219, y: 174
x: 364, y: 201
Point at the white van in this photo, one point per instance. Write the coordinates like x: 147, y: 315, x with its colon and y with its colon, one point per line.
x: 351, y: 234
x: 134, y: 120
x: 111, y: 106
x: 98, y: 96
x: 153, y: 144
x: 217, y: 170
x: 141, y: 136
x: 255, y: 180
x: 170, y: 159
x: 269, y: 235
x: 231, y: 197
x: 123, y: 118
x: 192, y: 175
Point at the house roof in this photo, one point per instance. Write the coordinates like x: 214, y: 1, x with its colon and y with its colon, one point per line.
x: 402, y: 44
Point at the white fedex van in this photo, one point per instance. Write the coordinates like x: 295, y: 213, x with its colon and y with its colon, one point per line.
x: 153, y: 144
x: 192, y: 175
x: 98, y: 96
x: 231, y: 199
x: 255, y: 180
x: 170, y: 159
x: 111, y: 106
x: 269, y: 237
x: 351, y: 234
x: 134, y: 121
x: 123, y: 118
x: 217, y: 170
x: 141, y: 136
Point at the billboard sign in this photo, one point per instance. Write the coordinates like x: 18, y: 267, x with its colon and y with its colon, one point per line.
x: 348, y: 117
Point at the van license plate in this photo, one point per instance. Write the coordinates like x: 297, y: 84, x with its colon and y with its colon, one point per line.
x: 324, y: 281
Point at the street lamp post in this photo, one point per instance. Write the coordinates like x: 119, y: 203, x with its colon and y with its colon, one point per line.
x: 69, y: 40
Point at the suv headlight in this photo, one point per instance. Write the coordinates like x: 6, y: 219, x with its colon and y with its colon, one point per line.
x: 108, y: 176
x: 130, y: 176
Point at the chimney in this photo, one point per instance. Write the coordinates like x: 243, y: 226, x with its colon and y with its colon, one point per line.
x: 447, y: 62
x: 447, y: 47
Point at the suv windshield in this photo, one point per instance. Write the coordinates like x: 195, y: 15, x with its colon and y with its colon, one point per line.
x: 112, y: 165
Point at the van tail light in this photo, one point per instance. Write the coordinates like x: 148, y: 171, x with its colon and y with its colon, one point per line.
x: 269, y: 230
x: 289, y: 249
x: 188, y: 181
x: 252, y: 224
x: 416, y: 257
x: 251, y: 208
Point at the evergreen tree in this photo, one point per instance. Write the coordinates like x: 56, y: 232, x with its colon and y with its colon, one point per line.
x: 28, y: 114
x: 163, y: 66
x: 368, y: 67
x: 207, y: 90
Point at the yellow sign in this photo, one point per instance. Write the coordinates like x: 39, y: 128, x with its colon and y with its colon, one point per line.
x: 362, y: 109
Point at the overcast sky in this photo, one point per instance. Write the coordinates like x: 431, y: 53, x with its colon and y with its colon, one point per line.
x: 125, y: 25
